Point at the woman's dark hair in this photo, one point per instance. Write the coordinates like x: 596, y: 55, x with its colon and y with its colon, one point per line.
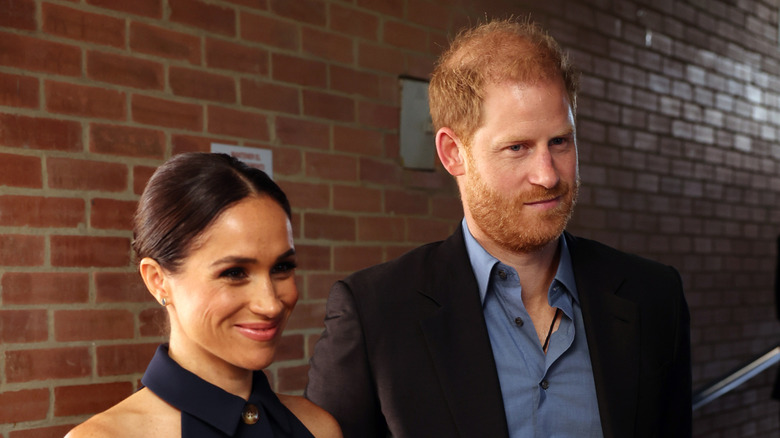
x: 185, y: 195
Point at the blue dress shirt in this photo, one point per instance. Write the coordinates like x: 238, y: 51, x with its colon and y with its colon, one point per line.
x: 545, y: 395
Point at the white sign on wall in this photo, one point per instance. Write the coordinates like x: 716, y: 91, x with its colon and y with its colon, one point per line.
x: 255, y: 157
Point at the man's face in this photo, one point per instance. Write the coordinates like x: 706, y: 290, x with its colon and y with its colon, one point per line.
x: 522, y: 177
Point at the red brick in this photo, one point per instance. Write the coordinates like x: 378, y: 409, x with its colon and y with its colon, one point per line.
x: 424, y: 179
x: 290, y: 348
x: 379, y: 172
x: 84, y: 26
x: 24, y: 405
x: 18, y: 13
x: 299, y: 71
x: 121, y: 287
x: 90, y: 251
x: 270, y: 31
x: 429, y: 14
x: 386, y: 7
x: 21, y: 250
x: 45, y: 287
x: 381, y: 229
x: 304, y: 195
x: 327, y: 45
x: 19, y: 91
x: 164, y: 43
x: 257, y: 4
x: 403, y: 35
x: 381, y: 58
x: 80, y: 100
x: 43, y: 432
x: 304, y: 11
x: 39, y: 133
x: 153, y: 322
x: 446, y: 207
x: 236, y: 57
x: 400, y: 202
x: 45, y: 364
x: 307, y: 315
x: 41, y: 212
x: 328, y: 106
x: 302, y: 133
x: 352, y: 258
x: 89, y: 399
x: 427, y: 230
x: 351, y: 81
x: 68, y: 173
x: 210, y: 17
x: 147, y: 8
x: 292, y: 378
x: 360, y: 199
x: 162, y: 112
x: 351, y: 21
x: 313, y: 257
x: 378, y: 115
x: 319, y: 285
x: 202, y: 85
x: 126, y: 141
x: 114, y: 360
x: 273, y: 97
x: 419, y: 66
x: 329, y: 226
x: 237, y: 123
x: 188, y: 143
x: 20, y: 171
x: 141, y: 175
x: 23, y: 326
x: 33, y: 54
x: 125, y: 70
x: 358, y: 141
x: 90, y: 325
x: 329, y: 166
x: 112, y: 214
x: 287, y: 161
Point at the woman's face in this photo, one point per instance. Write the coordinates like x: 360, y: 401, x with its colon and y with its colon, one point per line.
x: 232, y: 296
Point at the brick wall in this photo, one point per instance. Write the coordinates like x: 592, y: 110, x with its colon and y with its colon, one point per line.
x: 679, y: 123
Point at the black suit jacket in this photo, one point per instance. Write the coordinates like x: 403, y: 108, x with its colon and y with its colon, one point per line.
x: 406, y: 351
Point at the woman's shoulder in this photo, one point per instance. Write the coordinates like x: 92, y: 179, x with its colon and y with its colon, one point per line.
x: 319, y: 422
x: 143, y: 414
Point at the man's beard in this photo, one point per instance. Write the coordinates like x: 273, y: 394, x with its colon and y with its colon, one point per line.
x: 511, y: 224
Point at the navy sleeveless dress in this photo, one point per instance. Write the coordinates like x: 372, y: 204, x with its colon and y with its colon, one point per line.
x: 209, y: 411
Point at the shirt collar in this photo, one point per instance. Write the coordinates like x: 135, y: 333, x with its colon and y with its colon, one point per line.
x: 482, y: 263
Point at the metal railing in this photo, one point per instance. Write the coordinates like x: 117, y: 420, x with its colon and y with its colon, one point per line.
x: 736, y: 377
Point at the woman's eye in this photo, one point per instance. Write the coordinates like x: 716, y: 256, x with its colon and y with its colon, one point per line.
x: 234, y: 274
x: 285, y: 267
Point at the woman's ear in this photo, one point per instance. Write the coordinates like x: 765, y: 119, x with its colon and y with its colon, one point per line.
x: 155, y: 279
x: 450, y: 152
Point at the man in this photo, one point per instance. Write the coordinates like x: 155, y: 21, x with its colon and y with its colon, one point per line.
x: 510, y: 327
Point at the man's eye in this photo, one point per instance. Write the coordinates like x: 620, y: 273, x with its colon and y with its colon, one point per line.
x: 234, y: 274
x: 515, y: 147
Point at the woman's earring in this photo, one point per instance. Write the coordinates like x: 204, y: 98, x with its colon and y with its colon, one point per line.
x: 163, y: 302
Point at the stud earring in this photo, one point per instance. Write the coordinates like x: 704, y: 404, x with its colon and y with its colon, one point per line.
x: 164, y: 302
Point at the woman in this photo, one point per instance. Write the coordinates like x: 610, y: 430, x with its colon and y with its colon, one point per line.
x: 215, y: 245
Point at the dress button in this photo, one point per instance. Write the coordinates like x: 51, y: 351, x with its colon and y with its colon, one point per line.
x: 250, y: 414
x: 545, y: 384
x: 519, y: 321
x: 502, y: 274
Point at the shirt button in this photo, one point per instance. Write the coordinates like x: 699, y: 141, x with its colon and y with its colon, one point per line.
x: 519, y: 321
x: 251, y: 414
x: 502, y: 274
x: 545, y: 384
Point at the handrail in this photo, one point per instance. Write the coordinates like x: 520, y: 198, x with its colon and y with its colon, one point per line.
x: 736, y: 377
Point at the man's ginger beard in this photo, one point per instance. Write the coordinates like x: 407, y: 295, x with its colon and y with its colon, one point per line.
x: 511, y: 224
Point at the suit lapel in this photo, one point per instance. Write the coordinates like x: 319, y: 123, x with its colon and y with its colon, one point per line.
x: 458, y: 342
x: 612, y: 330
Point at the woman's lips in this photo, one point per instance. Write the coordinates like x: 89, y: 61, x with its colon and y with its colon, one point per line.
x: 260, y: 332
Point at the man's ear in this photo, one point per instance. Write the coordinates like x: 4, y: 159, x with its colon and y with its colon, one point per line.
x: 154, y: 278
x: 450, y: 151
